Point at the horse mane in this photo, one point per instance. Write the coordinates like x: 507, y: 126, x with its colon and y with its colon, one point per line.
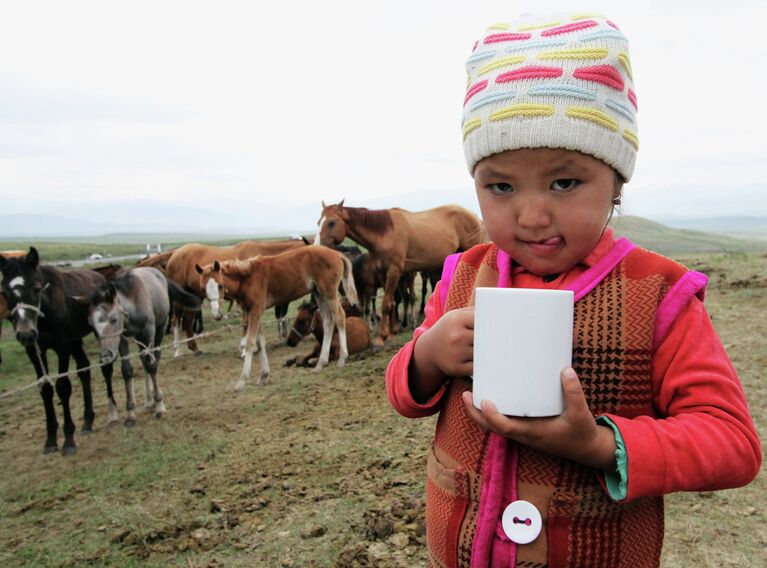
x: 236, y: 267
x: 376, y: 220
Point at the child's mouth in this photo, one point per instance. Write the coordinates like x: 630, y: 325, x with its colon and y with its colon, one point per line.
x: 546, y: 246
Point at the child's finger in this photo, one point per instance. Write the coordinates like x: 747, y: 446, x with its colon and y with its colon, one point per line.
x: 575, y: 400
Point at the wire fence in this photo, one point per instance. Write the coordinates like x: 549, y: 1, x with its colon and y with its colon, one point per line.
x: 47, y: 378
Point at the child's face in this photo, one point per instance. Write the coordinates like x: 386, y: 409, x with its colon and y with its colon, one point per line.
x: 546, y: 208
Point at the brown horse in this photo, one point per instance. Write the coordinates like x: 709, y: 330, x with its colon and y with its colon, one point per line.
x: 308, y: 321
x: 181, y: 269
x: 401, y: 240
x: 156, y: 260
x: 264, y: 281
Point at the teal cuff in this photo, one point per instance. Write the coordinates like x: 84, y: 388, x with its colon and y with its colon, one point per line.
x: 617, y: 481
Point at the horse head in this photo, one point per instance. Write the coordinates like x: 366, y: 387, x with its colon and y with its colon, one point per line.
x: 23, y: 290
x: 212, y: 281
x: 106, y: 315
x: 331, y: 228
x: 302, y: 325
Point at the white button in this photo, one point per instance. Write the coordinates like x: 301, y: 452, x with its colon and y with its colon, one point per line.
x: 521, y: 522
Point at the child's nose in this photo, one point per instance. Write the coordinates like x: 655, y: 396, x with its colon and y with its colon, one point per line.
x: 533, y: 213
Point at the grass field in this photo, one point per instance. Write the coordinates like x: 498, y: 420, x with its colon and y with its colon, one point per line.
x: 310, y: 470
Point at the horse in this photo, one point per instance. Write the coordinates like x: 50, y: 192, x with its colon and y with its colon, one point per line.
x: 264, y: 281
x: 401, y: 240
x: 181, y: 269
x: 308, y: 320
x: 46, y: 316
x: 428, y: 278
x: 135, y: 303
x: 156, y: 260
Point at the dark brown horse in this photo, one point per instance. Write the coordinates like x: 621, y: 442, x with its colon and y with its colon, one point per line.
x: 181, y: 270
x: 264, y: 281
x: 403, y: 241
x: 308, y: 321
x: 47, y: 316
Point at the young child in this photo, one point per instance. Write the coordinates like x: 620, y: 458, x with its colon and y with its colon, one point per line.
x: 653, y: 404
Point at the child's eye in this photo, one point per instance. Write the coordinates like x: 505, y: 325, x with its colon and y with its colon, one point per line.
x: 500, y: 188
x: 564, y: 184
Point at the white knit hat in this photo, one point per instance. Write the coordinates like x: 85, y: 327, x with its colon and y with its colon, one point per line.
x: 558, y: 81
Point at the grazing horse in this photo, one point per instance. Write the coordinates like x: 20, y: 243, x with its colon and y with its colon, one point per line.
x: 401, y: 240
x: 181, y: 269
x: 264, y: 281
x: 136, y: 303
x: 308, y: 320
x: 46, y: 316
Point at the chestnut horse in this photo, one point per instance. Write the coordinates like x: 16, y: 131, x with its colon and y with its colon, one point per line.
x: 181, y: 269
x: 308, y: 321
x: 264, y: 281
x: 402, y: 241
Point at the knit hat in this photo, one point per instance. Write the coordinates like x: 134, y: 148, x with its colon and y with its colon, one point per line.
x: 561, y: 81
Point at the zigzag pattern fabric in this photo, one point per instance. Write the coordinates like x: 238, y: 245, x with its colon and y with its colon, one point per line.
x: 561, y: 81
x: 612, y: 354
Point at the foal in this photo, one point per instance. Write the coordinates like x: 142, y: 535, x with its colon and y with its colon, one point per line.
x: 264, y: 281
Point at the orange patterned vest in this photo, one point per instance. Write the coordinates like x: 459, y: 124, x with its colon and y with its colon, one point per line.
x: 612, y: 354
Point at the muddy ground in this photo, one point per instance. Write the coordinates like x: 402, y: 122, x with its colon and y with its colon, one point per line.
x: 314, y: 469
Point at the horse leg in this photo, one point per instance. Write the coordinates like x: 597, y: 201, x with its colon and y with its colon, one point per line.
x: 154, y: 400
x: 187, y: 320
x: 127, y: 372
x: 46, y: 393
x: 392, y: 277
x: 107, y: 371
x: 81, y: 359
x: 64, y: 390
x: 262, y: 358
x: 340, y: 319
x: 254, y: 315
x: 176, y: 333
x: 328, y: 323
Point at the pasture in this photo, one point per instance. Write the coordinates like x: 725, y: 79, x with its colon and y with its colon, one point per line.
x: 313, y: 469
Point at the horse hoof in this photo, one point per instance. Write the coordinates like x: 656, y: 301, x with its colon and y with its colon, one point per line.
x: 86, y: 431
x: 50, y: 449
x: 69, y: 450
x: 198, y: 353
x: 159, y: 415
x: 129, y: 422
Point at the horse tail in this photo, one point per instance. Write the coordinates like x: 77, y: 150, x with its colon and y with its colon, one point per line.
x: 181, y: 297
x: 348, y: 281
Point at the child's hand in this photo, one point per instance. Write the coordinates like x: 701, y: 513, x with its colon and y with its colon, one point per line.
x: 445, y: 350
x: 449, y: 343
x: 574, y: 434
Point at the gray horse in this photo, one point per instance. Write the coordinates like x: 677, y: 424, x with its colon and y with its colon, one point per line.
x: 136, y: 303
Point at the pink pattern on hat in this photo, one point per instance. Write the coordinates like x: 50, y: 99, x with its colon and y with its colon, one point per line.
x: 495, y: 38
x: 530, y: 72
x: 633, y: 98
x: 569, y: 28
x: 473, y: 90
x: 605, y: 74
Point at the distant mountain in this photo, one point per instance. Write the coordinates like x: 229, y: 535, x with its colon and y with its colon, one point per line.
x: 746, y: 226
x: 672, y: 241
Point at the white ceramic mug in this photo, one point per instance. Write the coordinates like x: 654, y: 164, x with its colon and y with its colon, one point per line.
x: 523, y: 338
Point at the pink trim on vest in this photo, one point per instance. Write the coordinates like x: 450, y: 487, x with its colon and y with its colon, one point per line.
x: 691, y: 284
x: 448, y: 269
x: 501, y: 458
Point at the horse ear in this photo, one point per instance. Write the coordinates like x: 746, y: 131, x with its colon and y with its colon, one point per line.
x: 323, y: 204
x: 111, y: 292
x: 216, y: 266
x: 3, y: 262
x: 33, y: 258
x: 198, y: 268
x: 341, y: 204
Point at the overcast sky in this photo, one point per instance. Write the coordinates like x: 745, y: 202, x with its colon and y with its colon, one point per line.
x: 230, y: 105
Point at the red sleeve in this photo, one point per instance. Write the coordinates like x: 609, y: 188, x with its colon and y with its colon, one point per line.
x: 397, y: 376
x: 703, y: 438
